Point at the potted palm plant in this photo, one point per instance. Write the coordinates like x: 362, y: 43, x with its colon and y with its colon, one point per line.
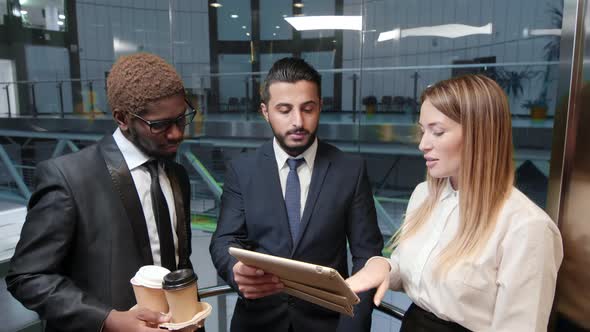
x: 537, y: 107
x: 512, y: 81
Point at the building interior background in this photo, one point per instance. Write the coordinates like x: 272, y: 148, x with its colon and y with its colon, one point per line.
x: 375, y: 56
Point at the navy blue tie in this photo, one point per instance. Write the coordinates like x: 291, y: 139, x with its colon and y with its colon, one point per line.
x: 293, y: 196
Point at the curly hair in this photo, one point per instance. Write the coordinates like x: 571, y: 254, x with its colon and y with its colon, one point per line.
x: 138, y: 79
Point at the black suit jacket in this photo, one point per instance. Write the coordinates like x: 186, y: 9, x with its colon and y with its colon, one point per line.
x: 85, y: 236
x: 339, y: 207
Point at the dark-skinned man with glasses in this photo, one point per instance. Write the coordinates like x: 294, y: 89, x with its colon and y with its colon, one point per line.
x: 100, y: 214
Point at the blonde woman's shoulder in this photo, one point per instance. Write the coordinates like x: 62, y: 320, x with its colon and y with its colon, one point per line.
x: 523, y: 224
x: 521, y: 211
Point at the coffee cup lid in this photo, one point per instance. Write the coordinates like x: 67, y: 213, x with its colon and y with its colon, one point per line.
x: 150, y: 276
x: 179, y: 279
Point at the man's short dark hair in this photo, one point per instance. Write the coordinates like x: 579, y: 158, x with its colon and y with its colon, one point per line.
x: 290, y: 70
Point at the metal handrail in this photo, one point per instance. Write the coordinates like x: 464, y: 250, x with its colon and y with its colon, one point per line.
x: 391, y: 310
x: 215, y: 291
x: 386, y: 308
x: 62, y: 80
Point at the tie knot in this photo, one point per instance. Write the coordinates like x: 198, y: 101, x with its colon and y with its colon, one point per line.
x: 294, y: 163
x: 152, y: 166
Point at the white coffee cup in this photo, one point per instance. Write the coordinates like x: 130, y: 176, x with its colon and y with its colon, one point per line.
x: 147, y: 286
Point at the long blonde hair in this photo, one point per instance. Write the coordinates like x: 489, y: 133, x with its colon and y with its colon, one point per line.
x: 487, y: 171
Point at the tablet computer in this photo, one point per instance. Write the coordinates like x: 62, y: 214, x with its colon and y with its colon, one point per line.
x: 316, y: 280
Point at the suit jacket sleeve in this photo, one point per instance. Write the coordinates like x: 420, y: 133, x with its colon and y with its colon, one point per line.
x: 186, y: 198
x: 36, y: 277
x: 365, y: 241
x: 231, y: 228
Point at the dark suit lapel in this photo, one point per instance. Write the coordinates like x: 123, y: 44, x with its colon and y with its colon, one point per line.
x: 125, y: 187
x: 273, y: 194
x: 320, y: 169
x: 181, y: 214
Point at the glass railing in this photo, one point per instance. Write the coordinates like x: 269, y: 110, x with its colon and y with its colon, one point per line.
x: 54, y: 98
x: 531, y: 88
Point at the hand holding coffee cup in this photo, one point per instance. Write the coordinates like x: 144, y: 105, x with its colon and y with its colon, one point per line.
x: 147, y: 286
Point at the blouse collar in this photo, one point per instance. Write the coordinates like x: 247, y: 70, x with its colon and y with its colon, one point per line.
x: 448, y: 191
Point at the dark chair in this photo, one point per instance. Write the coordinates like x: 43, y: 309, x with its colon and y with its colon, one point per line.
x: 398, y: 103
x: 328, y: 104
x: 245, y: 104
x: 386, y: 104
x: 233, y: 104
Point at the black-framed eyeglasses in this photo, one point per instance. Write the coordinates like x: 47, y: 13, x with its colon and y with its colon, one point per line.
x: 160, y: 126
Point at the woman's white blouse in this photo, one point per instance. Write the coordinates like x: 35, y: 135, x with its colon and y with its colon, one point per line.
x: 508, y: 287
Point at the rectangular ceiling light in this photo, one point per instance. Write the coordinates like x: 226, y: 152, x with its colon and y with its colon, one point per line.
x: 445, y: 30
x: 123, y: 46
x: 305, y: 23
x: 545, y: 32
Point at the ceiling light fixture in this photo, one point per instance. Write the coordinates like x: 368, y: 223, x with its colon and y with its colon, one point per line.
x: 537, y: 32
x: 303, y: 23
x: 445, y: 30
x: 61, y: 16
x: 123, y: 46
x: 298, y: 4
x: 215, y: 4
x: 234, y: 16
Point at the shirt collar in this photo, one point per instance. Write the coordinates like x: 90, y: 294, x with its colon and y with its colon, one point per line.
x: 282, y: 156
x: 133, y: 156
x: 448, y: 190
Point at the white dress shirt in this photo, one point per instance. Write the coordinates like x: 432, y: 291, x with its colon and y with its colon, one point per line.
x: 135, y: 158
x: 508, y: 287
x: 304, y: 171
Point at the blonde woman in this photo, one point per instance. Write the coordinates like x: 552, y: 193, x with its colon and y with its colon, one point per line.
x: 474, y: 253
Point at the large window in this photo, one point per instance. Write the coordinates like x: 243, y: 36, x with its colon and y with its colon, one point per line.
x: 47, y: 15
